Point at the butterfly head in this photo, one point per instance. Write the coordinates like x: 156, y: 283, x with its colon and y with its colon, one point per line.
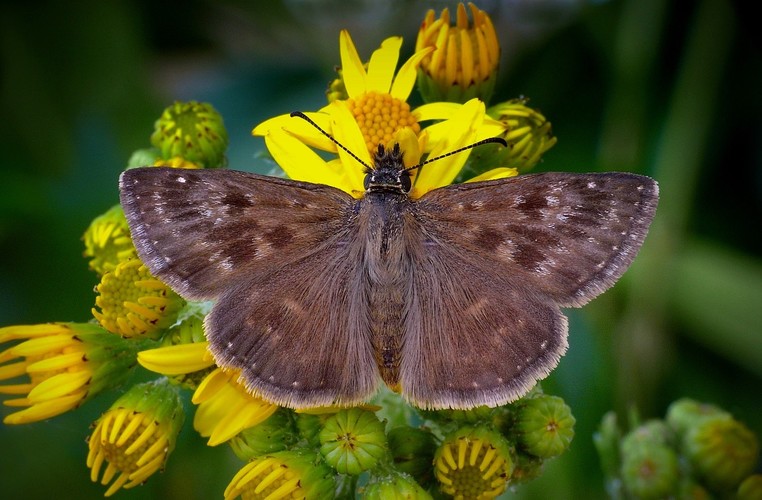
x: 388, y: 172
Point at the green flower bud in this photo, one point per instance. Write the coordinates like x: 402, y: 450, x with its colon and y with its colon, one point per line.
x: 309, y: 427
x: 722, y: 451
x: 276, y: 433
x: 412, y: 450
x: 473, y: 462
x: 544, y: 426
x: 352, y: 441
x: 751, y: 488
x: 649, y: 470
x: 143, y: 158
x: 394, y: 487
x: 686, y: 413
x: 336, y: 89
x: 108, y: 242
x: 283, y: 474
x: 653, y: 431
x: 691, y: 490
x: 193, y: 131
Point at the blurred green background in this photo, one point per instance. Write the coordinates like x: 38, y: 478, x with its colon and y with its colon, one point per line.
x: 668, y: 89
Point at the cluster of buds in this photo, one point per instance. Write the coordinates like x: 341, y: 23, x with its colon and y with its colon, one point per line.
x: 697, y: 451
x: 138, y: 321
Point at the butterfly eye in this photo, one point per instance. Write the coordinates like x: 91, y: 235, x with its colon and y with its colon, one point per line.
x: 367, y: 181
x: 404, y: 180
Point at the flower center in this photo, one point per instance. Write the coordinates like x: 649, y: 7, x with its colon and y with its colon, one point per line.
x: 380, y: 117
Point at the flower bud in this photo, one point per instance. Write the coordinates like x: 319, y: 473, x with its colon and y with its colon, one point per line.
x: 649, y: 470
x: 193, y: 131
x: 751, y: 488
x: 394, y: 487
x: 412, y: 450
x: 276, y: 433
x: 352, y: 441
x: 107, y: 241
x: 686, y: 413
x: 545, y: 426
x: 722, y: 451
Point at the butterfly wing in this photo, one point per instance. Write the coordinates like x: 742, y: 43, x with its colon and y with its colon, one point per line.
x: 495, y: 262
x: 270, y: 251
x: 570, y: 236
x: 300, y: 333
x: 200, y: 231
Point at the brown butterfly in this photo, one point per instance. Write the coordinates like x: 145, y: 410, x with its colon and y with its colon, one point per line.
x: 453, y: 298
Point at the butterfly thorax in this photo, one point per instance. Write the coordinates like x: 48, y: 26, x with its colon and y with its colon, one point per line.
x: 384, y: 211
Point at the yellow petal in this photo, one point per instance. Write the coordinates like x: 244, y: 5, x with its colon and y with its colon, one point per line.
x: 298, y: 160
x: 59, y: 385
x: 352, y: 71
x: 407, y: 75
x: 59, y: 362
x: 348, y: 133
x: 495, y: 173
x: 176, y: 359
x: 457, y: 132
x: 44, y: 345
x: 301, y: 129
x: 436, y: 111
x: 382, y: 64
x: 29, y: 331
x: 44, y: 410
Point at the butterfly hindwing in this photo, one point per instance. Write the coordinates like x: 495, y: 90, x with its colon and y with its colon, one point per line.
x: 201, y: 231
x: 570, y: 236
x: 300, y: 333
x: 474, y: 336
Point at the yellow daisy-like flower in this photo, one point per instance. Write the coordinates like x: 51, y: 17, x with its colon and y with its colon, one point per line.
x: 464, y: 62
x: 473, y: 463
x: 62, y: 364
x: 135, y: 436
x: 133, y: 303
x: 108, y: 242
x: 376, y: 113
x: 284, y: 474
x: 225, y: 408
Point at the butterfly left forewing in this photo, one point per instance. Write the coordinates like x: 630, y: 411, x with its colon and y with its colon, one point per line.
x: 200, y: 231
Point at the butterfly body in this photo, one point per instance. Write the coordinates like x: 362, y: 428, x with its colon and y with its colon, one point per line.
x: 453, y: 299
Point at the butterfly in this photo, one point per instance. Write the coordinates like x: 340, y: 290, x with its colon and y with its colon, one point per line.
x: 453, y: 299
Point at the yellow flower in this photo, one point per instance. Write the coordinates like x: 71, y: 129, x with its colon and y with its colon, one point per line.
x: 63, y: 364
x: 284, y: 474
x: 473, y: 463
x: 133, y: 303
x: 464, y: 62
x: 176, y: 162
x: 225, y: 408
x: 135, y: 436
x: 108, y: 242
x: 376, y: 113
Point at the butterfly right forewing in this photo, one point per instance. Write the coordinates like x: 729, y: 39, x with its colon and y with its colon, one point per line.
x: 569, y: 236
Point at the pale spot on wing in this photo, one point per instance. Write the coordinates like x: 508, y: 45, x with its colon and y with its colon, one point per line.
x: 500, y: 380
x: 295, y: 383
x: 181, y: 180
x: 543, y: 344
x: 475, y: 385
x: 226, y: 264
x: 271, y: 378
x: 592, y: 185
x: 477, y: 307
x: 553, y: 201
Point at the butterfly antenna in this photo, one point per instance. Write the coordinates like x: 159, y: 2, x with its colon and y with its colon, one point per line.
x: 309, y: 120
x: 498, y: 140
